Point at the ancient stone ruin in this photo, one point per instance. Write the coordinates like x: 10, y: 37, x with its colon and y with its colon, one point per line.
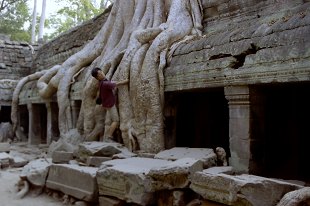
x: 215, y: 112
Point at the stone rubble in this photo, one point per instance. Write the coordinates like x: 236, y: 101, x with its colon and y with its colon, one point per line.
x: 207, y: 156
x: 177, y: 174
x: 62, y: 157
x: 127, y: 179
x: 5, y: 147
x: 240, y: 190
x: 79, y: 182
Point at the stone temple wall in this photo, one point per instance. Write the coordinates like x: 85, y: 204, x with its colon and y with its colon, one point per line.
x: 15, y: 58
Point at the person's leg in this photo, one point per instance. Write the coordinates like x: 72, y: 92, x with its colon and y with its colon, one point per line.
x: 115, y: 119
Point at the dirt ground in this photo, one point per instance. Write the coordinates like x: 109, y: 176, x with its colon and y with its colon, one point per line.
x: 10, y: 176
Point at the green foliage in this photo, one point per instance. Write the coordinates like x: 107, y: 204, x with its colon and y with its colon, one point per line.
x: 72, y: 14
x: 12, y: 19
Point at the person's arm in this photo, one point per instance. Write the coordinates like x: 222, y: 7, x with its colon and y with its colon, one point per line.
x: 122, y: 82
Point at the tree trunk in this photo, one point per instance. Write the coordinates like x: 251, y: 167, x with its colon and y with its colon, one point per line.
x: 33, y: 28
x: 42, y: 20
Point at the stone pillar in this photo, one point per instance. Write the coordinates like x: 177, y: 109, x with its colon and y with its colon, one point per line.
x: 34, y: 137
x: 75, y: 106
x: 246, y: 128
x: 49, y: 123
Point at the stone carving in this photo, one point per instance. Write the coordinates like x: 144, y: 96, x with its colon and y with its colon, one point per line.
x: 136, y: 37
x: 221, y: 157
x: 296, y: 198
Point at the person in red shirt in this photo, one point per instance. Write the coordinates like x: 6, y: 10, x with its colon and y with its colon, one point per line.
x: 107, y: 96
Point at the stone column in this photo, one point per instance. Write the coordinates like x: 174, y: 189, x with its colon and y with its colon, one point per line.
x: 34, y: 137
x: 75, y: 112
x: 49, y: 123
x: 246, y: 128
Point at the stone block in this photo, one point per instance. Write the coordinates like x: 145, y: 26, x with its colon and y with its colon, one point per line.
x: 96, y: 161
x: 111, y: 201
x: 240, y: 190
x: 177, y: 174
x: 207, y: 156
x: 36, y: 172
x: 210, y: 203
x: 19, y: 162
x: 73, y: 180
x: 5, y: 159
x: 126, y: 179
x: 62, y: 157
x: 240, y: 128
x: 5, y: 147
x: 102, y: 149
x: 220, y: 170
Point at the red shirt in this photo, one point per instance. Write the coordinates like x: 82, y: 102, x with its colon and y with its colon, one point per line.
x: 107, y: 96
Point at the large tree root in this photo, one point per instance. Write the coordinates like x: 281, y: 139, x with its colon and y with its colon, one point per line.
x: 133, y: 43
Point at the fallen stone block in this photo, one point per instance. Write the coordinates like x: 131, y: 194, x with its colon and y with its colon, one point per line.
x: 111, y: 201
x: 220, y: 170
x: 96, y: 161
x: 5, y: 159
x: 19, y: 162
x: 146, y: 154
x: 126, y: 179
x: 5, y: 147
x: 240, y: 190
x: 79, y: 182
x: 207, y: 156
x: 102, y: 149
x: 177, y: 174
x: 62, y: 157
x: 36, y: 171
x: 296, y: 198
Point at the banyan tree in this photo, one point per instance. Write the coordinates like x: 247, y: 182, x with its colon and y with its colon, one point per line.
x: 135, y: 42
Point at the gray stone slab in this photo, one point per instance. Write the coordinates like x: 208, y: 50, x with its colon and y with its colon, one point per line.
x: 220, y: 170
x: 19, y: 162
x: 207, y: 156
x: 79, y: 182
x: 240, y: 190
x: 62, y: 157
x: 111, y: 201
x: 36, y: 171
x: 5, y: 147
x: 96, y: 161
x: 103, y: 149
x: 5, y: 159
x: 177, y: 174
x: 127, y: 179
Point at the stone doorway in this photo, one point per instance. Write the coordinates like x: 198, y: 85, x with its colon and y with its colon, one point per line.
x: 24, y: 119
x: 37, y: 124
x: 5, y: 114
x: 203, y: 120
x: 287, y: 132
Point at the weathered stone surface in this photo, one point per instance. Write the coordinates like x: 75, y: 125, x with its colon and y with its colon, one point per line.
x: 62, y: 157
x: 19, y: 162
x: 207, y: 156
x: 126, y: 179
x: 296, y: 198
x: 5, y: 147
x: 36, y: 172
x: 5, y: 159
x: 210, y: 203
x: 102, y: 149
x: 240, y: 190
x: 177, y: 174
x: 220, y: 170
x: 6, y: 131
x: 146, y: 155
x: 96, y: 161
x: 111, y: 201
x: 194, y: 202
x: 73, y: 180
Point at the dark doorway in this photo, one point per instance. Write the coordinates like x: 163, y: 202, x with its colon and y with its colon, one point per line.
x: 5, y: 114
x: 287, y: 132
x: 203, y: 120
